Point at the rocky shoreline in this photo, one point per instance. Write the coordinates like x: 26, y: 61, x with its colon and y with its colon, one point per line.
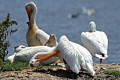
x: 52, y: 74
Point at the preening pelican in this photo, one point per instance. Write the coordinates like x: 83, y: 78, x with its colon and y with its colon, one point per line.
x: 34, y: 36
x: 95, y: 41
x: 75, y: 56
x: 22, y: 53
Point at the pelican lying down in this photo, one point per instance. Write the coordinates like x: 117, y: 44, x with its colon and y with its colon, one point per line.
x: 74, y: 55
x: 23, y: 53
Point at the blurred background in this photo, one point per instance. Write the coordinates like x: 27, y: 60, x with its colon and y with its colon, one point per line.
x: 67, y: 17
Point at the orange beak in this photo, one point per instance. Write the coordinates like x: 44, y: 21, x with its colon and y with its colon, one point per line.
x: 29, y: 12
x: 48, y: 56
x: 23, y: 47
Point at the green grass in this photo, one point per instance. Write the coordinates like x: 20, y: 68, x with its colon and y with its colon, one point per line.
x: 7, y: 66
x: 112, y: 72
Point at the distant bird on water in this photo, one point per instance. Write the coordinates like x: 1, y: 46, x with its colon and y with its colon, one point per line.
x: 34, y: 36
x: 95, y: 41
x: 88, y: 11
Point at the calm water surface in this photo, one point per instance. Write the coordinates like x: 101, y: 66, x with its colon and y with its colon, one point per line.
x: 53, y: 17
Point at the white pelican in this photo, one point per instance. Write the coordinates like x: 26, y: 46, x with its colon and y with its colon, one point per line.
x: 25, y: 54
x: 95, y: 41
x: 52, y: 41
x: 16, y: 49
x: 22, y: 53
x: 75, y: 56
x: 34, y: 36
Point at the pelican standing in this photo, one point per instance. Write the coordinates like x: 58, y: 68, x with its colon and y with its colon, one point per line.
x: 74, y: 55
x: 34, y: 36
x: 95, y: 41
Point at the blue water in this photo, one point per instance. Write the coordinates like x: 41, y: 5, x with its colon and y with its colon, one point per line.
x: 53, y: 17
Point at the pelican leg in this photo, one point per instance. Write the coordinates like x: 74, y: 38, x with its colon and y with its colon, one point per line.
x: 48, y: 56
x: 67, y: 68
x: 100, y: 61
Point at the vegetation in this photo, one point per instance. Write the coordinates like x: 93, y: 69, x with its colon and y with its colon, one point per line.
x: 5, y: 31
x: 112, y: 72
x: 8, y: 66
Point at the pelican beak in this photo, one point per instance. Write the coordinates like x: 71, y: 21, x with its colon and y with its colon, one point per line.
x: 101, y: 61
x: 48, y: 56
x: 48, y: 41
x: 29, y: 11
x: 31, y: 65
x: 23, y: 47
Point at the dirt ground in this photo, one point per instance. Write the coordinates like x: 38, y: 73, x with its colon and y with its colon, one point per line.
x: 52, y: 74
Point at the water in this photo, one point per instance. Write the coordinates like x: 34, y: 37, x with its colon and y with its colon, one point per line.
x: 53, y: 17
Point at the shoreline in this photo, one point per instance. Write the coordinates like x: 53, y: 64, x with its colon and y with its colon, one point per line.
x: 51, y: 74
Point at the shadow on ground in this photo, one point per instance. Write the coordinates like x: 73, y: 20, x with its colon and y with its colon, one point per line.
x: 70, y: 75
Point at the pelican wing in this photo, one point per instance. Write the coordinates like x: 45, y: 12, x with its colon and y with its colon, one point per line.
x: 69, y: 55
x: 75, y: 56
x: 87, y: 43
x: 95, y: 42
x: 105, y: 40
x: 27, y: 53
x: 100, y: 37
x: 42, y: 36
x: 83, y: 52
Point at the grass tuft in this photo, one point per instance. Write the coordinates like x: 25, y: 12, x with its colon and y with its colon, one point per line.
x: 7, y: 66
x: 112, y: 72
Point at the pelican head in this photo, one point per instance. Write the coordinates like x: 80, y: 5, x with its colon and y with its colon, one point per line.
x: 92, y: 26
x: 33, y: 63
x: 31, y: 10
x: 52, y: 41
x: 64, y: 38
x: 18, y: 48
x: 11, y: 58
x: 102, y: 55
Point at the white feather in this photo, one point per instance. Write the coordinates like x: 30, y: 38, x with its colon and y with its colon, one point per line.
x: 42, y: 36
x: 25, y: 54
x: 76, y: 56
x: 96, y: 42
